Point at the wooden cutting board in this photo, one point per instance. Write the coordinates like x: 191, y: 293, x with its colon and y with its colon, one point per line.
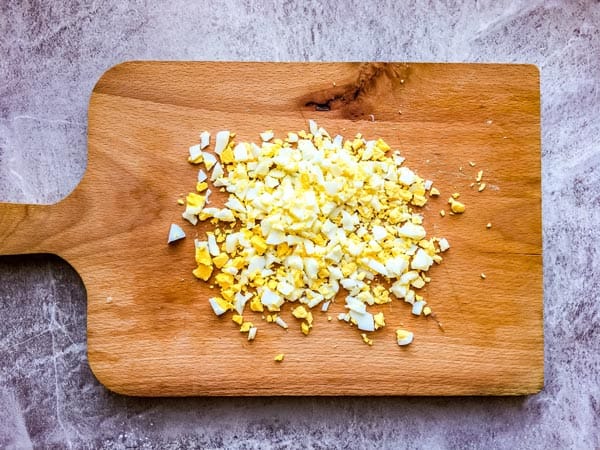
x: 150, y: 329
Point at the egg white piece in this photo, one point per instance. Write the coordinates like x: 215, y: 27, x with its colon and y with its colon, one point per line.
x: 213, y: 247
x: 443, y: 244
x: 218, y: 310
x: 418, y: 306
x: 315, y: 299
x: 240, y: 302
x: 412, y: 231
x: 282, y: 323
x: 314, y: 129
x: 191, y: 214
x: 221, y: 141
x: 354, y: 304
x: 209, y: 160
x: 240, y: 152
x: 252, y: 333
x: 175, y: 233
x: 204, y: 139
x: 195, y: 152
x: 364, y: 321
x: 421, y: 261
x: 271, y: 300
x: 405, y: 338
x: 217, y: 172
x: 266, y: 136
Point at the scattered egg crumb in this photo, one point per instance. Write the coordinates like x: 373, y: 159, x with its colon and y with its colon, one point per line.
x: 279, y: 357
x: 246, y: 327
x: 483, y: 277
x: 204, y: 140
x: 404, y: 337
x: 175, y: 233
x: 456, y: 206
x: 237, y: 319
x: 443, y: 244
x: 282, y: 323
x: 488, y: 226
x: 417, y: 307
x: 252, y: 333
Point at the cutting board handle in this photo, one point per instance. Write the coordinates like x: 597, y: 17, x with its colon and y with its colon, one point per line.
x: 29, y: 229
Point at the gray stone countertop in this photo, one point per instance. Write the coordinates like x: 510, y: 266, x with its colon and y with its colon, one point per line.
x: 52, y: 53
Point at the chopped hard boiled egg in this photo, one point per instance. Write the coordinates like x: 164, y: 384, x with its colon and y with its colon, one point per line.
x: 366, y: 339
x: 267, y: 135
x: 279, y: 321
x: 444, y: 245
x: 222, y: 140
x: 246, y: 327
x: 252, y: 333
x: 195, y: 154
x: 209, y: 160
x: 219, y: 305
x: 306, y: 216
x: 456, y: 206
x: 404, y: 337
x: 417, y: 308
x: 204, y: 139
x: 175, y: 233
x: 379, y: 320
x: 237, y: 319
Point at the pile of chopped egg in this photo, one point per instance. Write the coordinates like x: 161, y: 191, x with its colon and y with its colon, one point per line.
x: 307, y: 217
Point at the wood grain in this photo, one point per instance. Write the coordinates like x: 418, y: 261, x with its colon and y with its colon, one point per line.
x: 150, y: 328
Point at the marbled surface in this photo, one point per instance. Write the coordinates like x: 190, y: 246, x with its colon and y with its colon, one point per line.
x: 52, y: 53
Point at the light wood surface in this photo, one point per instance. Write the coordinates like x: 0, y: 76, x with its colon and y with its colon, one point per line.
x: 150, y: 329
